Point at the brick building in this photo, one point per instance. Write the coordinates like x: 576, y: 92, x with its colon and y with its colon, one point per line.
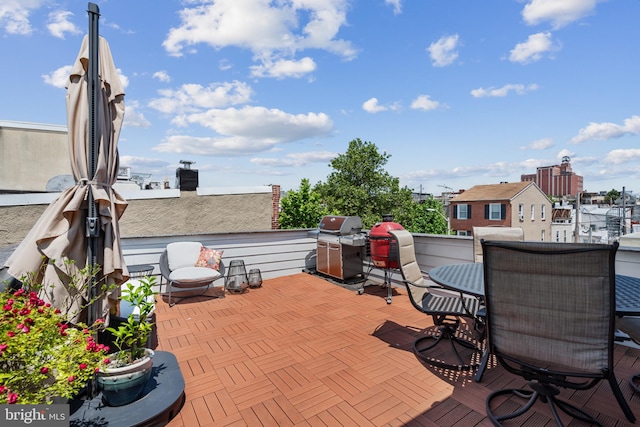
x: 556, y: 180
x: 511, y: 204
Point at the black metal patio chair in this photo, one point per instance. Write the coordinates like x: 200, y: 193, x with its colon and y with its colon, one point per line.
x: 551, y: 320
x: 445, y: 307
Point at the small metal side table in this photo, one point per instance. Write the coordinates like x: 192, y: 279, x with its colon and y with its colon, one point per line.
x: 139, y: 270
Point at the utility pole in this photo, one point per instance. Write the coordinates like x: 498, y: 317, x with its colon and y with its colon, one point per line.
x: 448, y: 194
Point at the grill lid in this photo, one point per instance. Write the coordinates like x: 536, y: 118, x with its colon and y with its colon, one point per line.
x: 340, y: 225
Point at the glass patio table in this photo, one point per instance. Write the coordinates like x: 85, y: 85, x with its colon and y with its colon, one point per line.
x: 468, y: 278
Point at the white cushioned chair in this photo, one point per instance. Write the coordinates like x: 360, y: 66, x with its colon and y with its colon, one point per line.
x: 512, y: 234
x: 181, y: 264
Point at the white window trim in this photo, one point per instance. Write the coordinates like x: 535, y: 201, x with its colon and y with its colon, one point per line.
x: 491, y: 211
x: 466, y: 211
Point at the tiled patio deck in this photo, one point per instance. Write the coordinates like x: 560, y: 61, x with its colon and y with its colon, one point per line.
x: 303, y: 351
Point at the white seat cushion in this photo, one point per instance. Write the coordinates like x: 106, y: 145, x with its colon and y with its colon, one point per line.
x: 191, y: 275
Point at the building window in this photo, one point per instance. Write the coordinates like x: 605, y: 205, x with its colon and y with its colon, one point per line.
x: 463, y: 212
x: 565, y: 236
x: 495, y: 212
x: 463, y: 233
x: 542, y: 212
x: 557, y: 236
x: 521, y: 212
x: 533, y: 212
x: 542, y: 236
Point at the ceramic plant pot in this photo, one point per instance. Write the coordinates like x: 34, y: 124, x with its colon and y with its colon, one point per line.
x: 123, y: 385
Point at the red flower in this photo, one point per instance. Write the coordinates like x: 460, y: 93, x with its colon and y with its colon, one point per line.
x: 71, y: 379
x: 82, y: 366
x: 106, y: 361
x: 11, y: 334
x: 12, y: 398
x: 3, y: 389
x: 44, y: 370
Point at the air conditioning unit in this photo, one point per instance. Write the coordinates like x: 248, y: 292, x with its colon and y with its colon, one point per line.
x: 124, y: 173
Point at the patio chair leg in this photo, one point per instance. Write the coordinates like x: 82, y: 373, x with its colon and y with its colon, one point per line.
x: 546, y: 393
x: 633, y: 381
x: 448, y: 333
x: 484, y: 361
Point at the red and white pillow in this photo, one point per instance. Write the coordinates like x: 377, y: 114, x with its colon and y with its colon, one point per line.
x: 209, y: 258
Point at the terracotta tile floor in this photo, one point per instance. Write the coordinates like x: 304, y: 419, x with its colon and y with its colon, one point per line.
x: 303, y: 351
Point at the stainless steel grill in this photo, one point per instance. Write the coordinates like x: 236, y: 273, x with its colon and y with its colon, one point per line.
x: 341, y: 244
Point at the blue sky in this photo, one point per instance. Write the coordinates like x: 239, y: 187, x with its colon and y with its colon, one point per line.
x: 258, y: 92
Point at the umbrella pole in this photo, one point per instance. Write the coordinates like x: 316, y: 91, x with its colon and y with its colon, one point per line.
x: 93, y: 229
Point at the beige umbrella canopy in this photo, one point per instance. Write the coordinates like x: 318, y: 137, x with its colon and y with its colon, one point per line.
x: 60, y: 234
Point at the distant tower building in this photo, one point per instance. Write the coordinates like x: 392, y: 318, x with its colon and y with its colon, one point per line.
x: 557, y: 180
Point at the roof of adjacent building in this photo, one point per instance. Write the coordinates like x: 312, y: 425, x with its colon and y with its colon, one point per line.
x: 504, y: 191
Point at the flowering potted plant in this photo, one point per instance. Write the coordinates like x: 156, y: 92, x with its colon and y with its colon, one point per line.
x: 42, y: 356
x: 127, y: 371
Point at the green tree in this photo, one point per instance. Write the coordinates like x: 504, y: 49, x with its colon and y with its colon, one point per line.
x: 360, y: 186
x: 612, y: 196
x: 302, y: 208
x: 425, y: 217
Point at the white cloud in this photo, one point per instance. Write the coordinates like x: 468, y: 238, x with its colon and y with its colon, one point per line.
x: 424, y: 102
x: 162, y: 75
x: 296, y: 159
x: 284, y: 68
x: 260, y: 123
x: 124, y: 80
x: 605, y: 131
x: 558, y: 13
x: 565, y: 153
x: 533, y: 49
x: 225, y: 65
x: 539, y: 144
x: 194, y: 97
x: 14, y: 15
x: 623, y: 156
x: 246, y: 131
x: 503, y: 91
x: 58, y: 78
x: 133, y: 117
x: 371, y: 106
x: 443, y: 52
x: 530, y: 165
x: 397, y: 6
x: 59, y: 24
x: 273, y: 31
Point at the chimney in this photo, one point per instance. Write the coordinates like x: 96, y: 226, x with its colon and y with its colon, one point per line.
x: 275, y: 207
x: 187, y: 178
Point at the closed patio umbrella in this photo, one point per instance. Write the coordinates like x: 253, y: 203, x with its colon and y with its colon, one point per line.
x: 82, y: 223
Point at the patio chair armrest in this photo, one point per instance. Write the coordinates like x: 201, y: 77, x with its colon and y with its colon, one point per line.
x: 430, y: 285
